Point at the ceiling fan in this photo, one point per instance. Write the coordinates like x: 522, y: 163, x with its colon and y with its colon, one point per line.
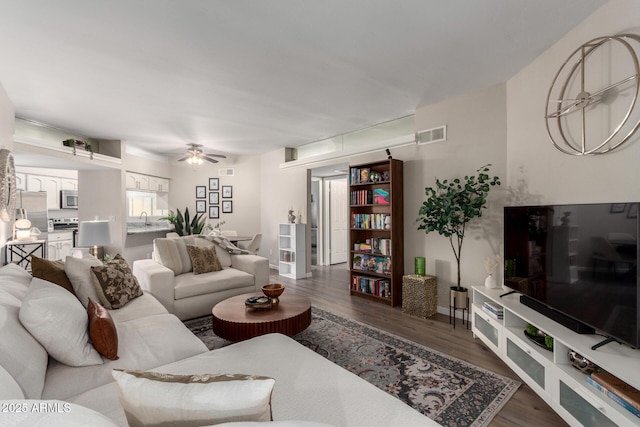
x: 195, y: 155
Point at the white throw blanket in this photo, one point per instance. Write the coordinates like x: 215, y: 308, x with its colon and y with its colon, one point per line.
x: 225, y: 244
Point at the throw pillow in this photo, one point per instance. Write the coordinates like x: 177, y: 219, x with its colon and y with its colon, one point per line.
x: 59, y: 322
x: 21, y: 355
x: 51, y: 271
x: 102, y: 331
x: 151, y: 398
x: 114, y: 283
x: 165, y: 251
x: 203, y: 259
x: 79, y: 272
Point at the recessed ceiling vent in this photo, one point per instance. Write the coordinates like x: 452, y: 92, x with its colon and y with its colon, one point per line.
x: 226, y: 172
x: 429, y: 136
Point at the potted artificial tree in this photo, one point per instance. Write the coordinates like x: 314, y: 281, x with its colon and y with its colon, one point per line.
x: 450, y: 205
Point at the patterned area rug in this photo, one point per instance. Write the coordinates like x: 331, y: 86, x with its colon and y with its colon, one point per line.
x: 447, y: 390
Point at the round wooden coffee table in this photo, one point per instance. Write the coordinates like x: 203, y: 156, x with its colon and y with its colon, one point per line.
x: 234, y: 322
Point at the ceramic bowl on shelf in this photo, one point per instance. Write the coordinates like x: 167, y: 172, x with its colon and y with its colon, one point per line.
x: 273, y: 291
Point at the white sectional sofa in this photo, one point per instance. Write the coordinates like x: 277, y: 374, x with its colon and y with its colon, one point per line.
x: 169, y: 277
x: 307, y: 386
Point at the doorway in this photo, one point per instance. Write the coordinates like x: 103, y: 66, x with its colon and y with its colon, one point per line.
x: 329, y: 215
x: 338, y: 221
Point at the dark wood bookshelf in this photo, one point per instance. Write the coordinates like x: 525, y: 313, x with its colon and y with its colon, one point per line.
x: 375, y: 193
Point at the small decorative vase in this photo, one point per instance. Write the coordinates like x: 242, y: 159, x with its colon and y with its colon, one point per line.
x: 490, y: 282
x: 420, y: 266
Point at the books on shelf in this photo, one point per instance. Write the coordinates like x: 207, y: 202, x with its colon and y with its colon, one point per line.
x: 368, y: 221
x: 618, y: 390
x: 493, y: 311
x: 361, y: 197
x: 377, y: 196
x: 374, y: 245
x: 493, y: 307
x: 372, y: 286
x: 375, y: 264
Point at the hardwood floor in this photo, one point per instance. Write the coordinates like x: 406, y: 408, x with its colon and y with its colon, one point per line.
x: 328, y: 289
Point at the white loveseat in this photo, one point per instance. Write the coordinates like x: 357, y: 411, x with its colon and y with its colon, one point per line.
x: 169, y: 276
x: 307, y: 386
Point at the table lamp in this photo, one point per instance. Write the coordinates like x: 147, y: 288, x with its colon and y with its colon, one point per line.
x: 94, y: 233
x: 22, y: 226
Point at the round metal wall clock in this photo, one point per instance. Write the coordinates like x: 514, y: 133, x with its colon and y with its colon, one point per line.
x: 7, y: 185
x: 592, y: 102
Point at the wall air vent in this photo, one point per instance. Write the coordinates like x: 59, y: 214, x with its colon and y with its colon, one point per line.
x: 226, y: 172
x: 429, y: 136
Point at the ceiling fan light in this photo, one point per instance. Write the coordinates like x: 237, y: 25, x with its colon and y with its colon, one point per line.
x: 199, y: 160
x: 190, y: 160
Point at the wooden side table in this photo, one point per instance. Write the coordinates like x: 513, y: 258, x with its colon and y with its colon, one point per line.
x: 420, y: 295
x: 234, y: 322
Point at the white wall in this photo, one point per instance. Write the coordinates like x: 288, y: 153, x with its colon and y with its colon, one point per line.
x: 281, y: 189
x: 144, y: 165
x: 476, y: 128
x: 476, y: 135
x: 246, y: 185
x: 551, y: 176
x: 7, y: 121
x: 103, y: 196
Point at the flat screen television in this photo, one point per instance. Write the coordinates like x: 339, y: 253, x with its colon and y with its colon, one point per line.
x: 579, y: 262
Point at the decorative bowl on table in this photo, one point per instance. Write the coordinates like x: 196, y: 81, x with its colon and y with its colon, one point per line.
x: 260, y: 302
x: 273, y: 291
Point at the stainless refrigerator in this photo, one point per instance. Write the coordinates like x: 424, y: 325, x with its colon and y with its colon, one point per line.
x: 35, y: 205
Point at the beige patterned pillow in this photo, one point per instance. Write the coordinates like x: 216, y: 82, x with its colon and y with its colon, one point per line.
x: 115, y: 284
x: 203, y: 259
x: 151, y: 398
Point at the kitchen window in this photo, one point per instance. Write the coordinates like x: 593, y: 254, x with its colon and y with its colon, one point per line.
x: 156, y: 205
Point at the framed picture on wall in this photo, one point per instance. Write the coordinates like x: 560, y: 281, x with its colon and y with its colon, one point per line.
x: 227, y: 206
x: 214, y: 212
x: 214, y: 184
x: 214, y: 197
x: 201, y: 192
x: 201, y: 206
x: 227, y: 192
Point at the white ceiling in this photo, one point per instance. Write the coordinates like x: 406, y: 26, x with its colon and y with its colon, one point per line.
x: 250, y: 76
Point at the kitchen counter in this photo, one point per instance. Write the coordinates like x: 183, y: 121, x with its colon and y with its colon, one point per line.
x: 148, y: 229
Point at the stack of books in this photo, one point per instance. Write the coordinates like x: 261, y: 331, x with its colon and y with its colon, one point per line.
x: 494, y: 310
x: 617, y: 390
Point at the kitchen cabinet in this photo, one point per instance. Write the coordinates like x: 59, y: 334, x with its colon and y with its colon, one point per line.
x: 136, y: 181
x: 158, y: 184
x: 59, y: 245
x: 52, y: 185
x: 68, y: 184
x: 21, y: 181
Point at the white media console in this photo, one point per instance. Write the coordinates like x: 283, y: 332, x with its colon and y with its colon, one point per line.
x: 549, y: 373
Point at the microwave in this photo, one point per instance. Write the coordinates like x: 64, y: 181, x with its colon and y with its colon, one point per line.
x: 68, y: 199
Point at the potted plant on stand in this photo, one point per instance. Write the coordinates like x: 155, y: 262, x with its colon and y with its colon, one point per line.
x: 450, y: 205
